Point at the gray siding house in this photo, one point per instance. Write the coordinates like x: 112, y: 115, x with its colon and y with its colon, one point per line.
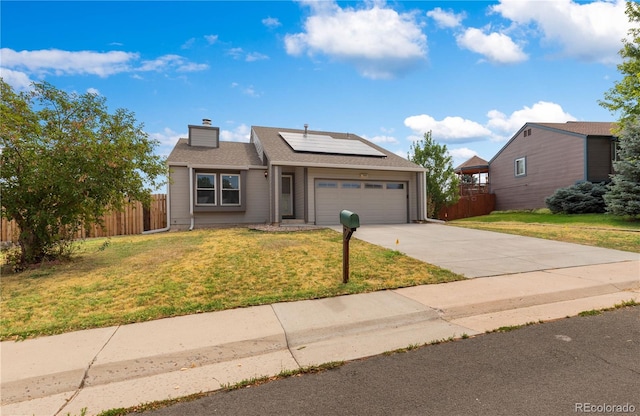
x: 542, y: 157
x: 289, y: 176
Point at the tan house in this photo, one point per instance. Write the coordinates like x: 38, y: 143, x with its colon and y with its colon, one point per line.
x: 542, y: 157
x: 289, y: 175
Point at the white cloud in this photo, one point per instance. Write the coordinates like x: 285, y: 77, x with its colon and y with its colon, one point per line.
x: 587, y: 31
x: 499, y: 126
x: 62, y: 62
x: 496, y: 47
x: 378, y: 41
x: 188, y: 44
x: 171, y: 61
x: 94, y: 91
x: 449, y: 129
x: 239, y: 53
x: 255, y: 56
x: 461, y: 155
x: 167, y: 137
x: 381, y: 139
x: 505, y: 126
x: 102, y: 64
x: 271, y: 22
x: 241, y: 133
x: 446, y: 19
x: 249, y: 90
x: 211, y: 39
x: 18, y: 80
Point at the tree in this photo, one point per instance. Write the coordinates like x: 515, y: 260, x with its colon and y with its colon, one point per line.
x: 623, y: 197
x: 625, y: 94
x: 65, y: 160
x: 581, y: 198
x: 442, y: 181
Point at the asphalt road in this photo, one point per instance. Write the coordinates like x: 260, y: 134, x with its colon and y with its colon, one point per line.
x: 580, y: 365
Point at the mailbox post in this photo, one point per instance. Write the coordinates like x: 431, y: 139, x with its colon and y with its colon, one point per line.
x: 350, y: 222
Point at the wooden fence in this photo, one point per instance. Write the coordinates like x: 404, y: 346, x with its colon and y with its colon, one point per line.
x: 133, y: 220
x: 469, y: 206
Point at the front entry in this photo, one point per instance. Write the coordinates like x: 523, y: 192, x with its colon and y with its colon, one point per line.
x: 286, y: 196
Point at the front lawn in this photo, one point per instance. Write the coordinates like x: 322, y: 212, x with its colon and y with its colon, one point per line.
x: 137, y: 278
x: 599, y: 230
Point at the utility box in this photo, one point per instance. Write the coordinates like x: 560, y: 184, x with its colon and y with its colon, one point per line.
x: 349, y: 219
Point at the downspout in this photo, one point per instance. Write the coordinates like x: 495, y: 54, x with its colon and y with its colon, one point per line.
x: 426, y: 196
x: 193, y: 220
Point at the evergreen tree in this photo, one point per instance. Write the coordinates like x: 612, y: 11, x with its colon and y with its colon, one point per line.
x: 623, y: 197
x: 442, y: 181
x: 624, y: 97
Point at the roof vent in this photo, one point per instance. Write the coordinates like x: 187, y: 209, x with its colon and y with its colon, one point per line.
x: 206, y: 121
x: 306, y: 127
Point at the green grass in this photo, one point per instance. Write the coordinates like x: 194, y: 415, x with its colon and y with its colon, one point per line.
x: 545, y: 217
x: 138, y: 278
x: 599, y: 230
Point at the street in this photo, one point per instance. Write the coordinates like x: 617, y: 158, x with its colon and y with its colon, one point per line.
x: 579, y: 365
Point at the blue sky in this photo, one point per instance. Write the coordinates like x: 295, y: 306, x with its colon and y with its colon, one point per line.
x: 472, y: 72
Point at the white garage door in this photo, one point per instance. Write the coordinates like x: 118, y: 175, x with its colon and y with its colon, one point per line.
x: 375, y: 202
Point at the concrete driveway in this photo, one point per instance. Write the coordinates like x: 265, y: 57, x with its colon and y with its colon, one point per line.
x: 477, y: 253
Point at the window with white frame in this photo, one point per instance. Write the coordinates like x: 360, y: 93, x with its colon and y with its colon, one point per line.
x: 520, y: 167
x: 230, y: 189
x: 206, y: 189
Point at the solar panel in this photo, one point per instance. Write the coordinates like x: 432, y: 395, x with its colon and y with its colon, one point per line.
x: 320, y: 143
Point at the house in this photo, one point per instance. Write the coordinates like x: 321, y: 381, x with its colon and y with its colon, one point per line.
x: 542, y: 157
x: 289, y: 175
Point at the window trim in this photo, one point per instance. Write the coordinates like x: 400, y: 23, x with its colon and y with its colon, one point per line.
x: 524, y: 167
x: 223, y: 189
x: 214, y: 189
x: 219, y: 207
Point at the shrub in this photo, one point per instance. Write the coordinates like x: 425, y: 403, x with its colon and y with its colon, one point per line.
x: 581, y: 198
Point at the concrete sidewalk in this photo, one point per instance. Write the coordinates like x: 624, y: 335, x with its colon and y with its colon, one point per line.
x: 101, y: 369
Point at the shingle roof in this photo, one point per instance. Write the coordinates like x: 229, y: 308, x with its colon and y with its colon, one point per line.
x: 280, y: 153
x: 474, y: 164
x: 228, y: 154
x: 588, y: 128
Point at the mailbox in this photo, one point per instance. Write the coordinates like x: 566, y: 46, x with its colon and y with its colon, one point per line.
x: 349, y: 219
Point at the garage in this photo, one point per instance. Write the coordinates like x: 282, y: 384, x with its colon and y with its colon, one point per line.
x: 376, y: 202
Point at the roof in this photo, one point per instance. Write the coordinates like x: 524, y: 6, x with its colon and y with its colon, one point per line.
x: 228, y: 154
x: 587, y: 128
x: 280, y: 153
x: 475, y: 164
x: 575, y: 128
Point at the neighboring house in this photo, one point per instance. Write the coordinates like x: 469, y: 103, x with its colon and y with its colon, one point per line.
x: 289, y: 175
x: 542, y: 157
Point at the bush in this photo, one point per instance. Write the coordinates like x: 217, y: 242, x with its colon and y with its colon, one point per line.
x: 581, y: 198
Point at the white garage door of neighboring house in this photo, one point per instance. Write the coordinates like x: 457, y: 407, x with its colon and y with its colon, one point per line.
x: 375, y: 202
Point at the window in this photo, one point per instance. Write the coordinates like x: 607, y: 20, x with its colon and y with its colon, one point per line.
x: 206, y: 189
x: 520, y: 167
x: 230, y: 189
x: 327, y: 185
x: 351, y: 185
x: 372, y: 186
x: 395, y: 186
